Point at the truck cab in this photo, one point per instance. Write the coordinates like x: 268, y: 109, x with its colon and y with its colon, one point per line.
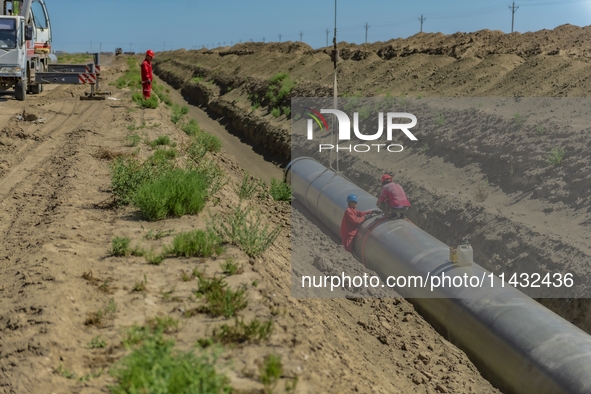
x: 25, y: 45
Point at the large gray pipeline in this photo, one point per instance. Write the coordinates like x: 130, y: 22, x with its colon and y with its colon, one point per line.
x: 517, y: 344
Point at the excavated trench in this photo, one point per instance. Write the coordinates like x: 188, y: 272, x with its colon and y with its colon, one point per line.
x: 491, y: 232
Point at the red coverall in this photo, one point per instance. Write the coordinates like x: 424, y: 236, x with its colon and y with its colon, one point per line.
x: 146, y: 69
x: 352, y: 219
x: 394, y: 195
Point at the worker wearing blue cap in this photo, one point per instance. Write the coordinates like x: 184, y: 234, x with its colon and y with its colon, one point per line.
x: 352, y: 219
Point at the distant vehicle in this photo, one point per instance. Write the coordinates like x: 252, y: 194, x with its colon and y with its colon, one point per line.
x: 118, y: 51
x: 25, y: 45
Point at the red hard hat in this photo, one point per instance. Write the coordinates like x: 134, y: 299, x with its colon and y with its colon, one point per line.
x: 150, y: 53
x: 385, y: 178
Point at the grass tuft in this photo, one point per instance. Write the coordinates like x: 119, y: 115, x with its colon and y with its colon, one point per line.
x: 245, y: 230
x: 241, y: 332
x: 176, y: 193
x: 155, y: 367
x: 229, y: 267
x: 556, y: 156
x: 120, y: 246
x: 197, y: 243
x: 271, y: 371
x: 280, y: 191
x: 139, y: 99
x: 219, y: 299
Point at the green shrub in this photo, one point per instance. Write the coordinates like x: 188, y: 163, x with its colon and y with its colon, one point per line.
x: 286, y: 110
x: 276, y: 112
x: 133, y: 140
x: 197, y: 243
x: 155, y: 367
x: 152, y: 102
x: 129, y: 174
x: 209, y: 141
x: 280, y: 191
x: 241, y: 332
x: 154, y: 258
x: 271, y: 371
x: 556, y: 156
x: 231, y: 268
x: 280, y: 86
x: 191, y: 128
x: 97, y: 343
x: 178, y: 112
x: 164, y: 154
x: 158, y: 90
x: 174, y: 194
x: 219, y: 299
x: 248, y: 186
x: 120, y: 246
x: 161, y: 140
x: 245, y: 230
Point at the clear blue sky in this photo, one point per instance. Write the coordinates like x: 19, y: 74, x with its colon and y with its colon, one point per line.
x: 142, y: 24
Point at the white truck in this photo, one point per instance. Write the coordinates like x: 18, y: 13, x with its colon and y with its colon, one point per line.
x: 25, y: 45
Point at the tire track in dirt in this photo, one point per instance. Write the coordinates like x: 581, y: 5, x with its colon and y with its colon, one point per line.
x: 30, y: 201
x: 33, y: 163
x: 8, y: 183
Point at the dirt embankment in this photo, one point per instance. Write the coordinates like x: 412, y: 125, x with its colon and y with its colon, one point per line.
x: 493, y: 170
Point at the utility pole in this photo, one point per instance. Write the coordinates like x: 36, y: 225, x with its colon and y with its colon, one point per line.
x: 101, y: 47
x: 422, y: 20
x: 513, y: 9
x: 279, y: 37
x: 263, y: 40
x: 130, y: 47
x: 301, y: 34
x: 90, y: 46
x: 164, y: 46
x: 366, y: 27
x: 327, y: 31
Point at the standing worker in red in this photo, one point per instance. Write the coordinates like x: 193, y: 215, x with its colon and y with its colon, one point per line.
x: 352, y: 219
x: 146, y: 69
x: 392, y: 199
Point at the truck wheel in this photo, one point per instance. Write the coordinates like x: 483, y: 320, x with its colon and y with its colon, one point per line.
x: 20, y: 90
x: 37, y: 88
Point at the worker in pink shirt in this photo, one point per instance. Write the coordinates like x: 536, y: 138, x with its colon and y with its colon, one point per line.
x: 392, y: 199
x: 146, y: 70
x: 352, y: 219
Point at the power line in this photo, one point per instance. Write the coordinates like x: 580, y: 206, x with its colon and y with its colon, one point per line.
x: 366, y: 27
x: 513, y: 9
x: 301, y: 34
x: 422, y: 20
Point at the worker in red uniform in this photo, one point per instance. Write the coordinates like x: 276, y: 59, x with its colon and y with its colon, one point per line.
x: 147, y: 74
x: 392, y: 199
x: 352, y: 219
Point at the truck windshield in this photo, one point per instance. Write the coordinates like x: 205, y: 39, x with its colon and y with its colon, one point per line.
x: 7, y: 33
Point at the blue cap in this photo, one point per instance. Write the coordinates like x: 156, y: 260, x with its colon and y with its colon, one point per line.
x: 351, y: 198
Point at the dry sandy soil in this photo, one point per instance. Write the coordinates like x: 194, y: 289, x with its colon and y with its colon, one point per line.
x: 56, y: 227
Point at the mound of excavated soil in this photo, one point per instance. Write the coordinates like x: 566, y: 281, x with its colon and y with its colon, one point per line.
x: 485, y: 169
